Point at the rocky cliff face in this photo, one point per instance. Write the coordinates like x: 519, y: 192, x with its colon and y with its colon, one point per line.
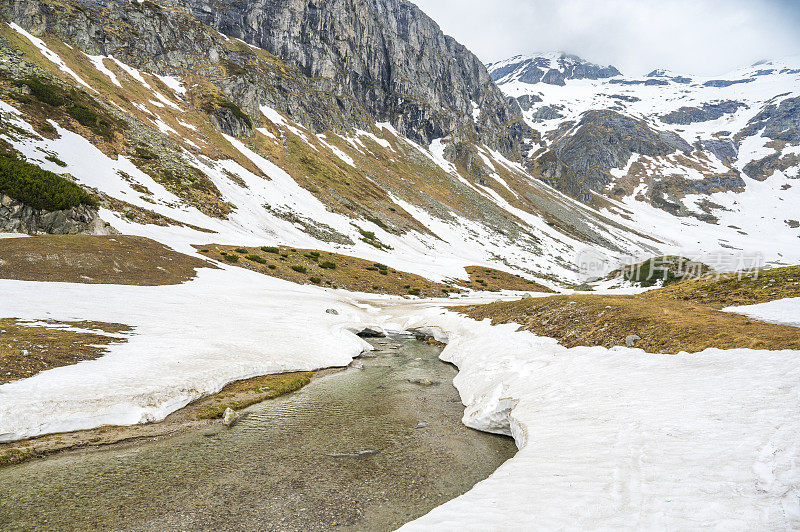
x: 357, y: 62
x: 382, y: 57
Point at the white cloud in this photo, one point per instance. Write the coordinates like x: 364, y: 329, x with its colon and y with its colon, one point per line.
x: 689, y: 36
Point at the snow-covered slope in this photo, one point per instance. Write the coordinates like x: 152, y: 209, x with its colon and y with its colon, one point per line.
x: 621, y: 439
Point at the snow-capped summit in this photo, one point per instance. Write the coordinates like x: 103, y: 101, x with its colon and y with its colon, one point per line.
x: 553, y: 68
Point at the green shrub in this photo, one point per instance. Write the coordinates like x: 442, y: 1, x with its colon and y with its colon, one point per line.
x: 315, y: 280
x: 328, y: 265
x: 256, y: 258
x: 299, y: 269
x: 91, y: 119
x: 414, y: 292
x: 55, y: 160
x: 231, y: 258
x: 312, y: 256
x: 39, y: 188
x: 384, y: 272
x: 270, y: 249
x: 272, y: 267
x: 381, y: 266
x: 241, y: 250
x: 44, y: 92
x: 378, y: 222
x: 84, y: 115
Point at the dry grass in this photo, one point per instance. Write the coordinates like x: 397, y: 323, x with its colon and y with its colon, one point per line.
x: 734, y: 290
x: 350, y: 273
x: 334, y: 270
x: 483, y: 278
x: 682, y: 317
x: 26, y: 350
x: 126, y: 260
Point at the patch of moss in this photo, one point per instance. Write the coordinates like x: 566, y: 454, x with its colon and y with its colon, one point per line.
x: 240, y: 395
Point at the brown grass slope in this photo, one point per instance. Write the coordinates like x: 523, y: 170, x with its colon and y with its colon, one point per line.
x: 126, y: 260
x: 681, y: 317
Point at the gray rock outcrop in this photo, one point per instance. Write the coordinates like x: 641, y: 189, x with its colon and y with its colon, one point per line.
x: 581, y: 162
x: 16, y: 217
x: 704, y: 113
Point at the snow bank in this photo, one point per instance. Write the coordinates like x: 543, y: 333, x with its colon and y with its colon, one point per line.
x: 190, y: 340
x: 613, y: 438
x: 783, y: 311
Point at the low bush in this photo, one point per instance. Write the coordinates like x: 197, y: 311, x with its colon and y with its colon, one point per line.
x: 256, y: 258
x: 44, y: 92
x: 40, y: 188
x: 315, y: 280
x: 299, y: 269
x: 241, y: 250
x: 270, y: 249
x: 328, y: 265
x: 231, y: 258
x: 272, y: 267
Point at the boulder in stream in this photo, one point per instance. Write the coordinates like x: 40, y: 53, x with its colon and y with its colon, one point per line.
x: 230, y: 417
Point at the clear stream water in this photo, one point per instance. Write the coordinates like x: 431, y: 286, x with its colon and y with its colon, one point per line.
x: 369, y: 448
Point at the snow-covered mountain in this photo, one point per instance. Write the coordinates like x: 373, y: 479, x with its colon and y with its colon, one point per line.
x: 711, y: 157
x: 552, y: 68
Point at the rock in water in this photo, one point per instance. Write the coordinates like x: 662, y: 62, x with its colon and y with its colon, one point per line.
x: 371, y: 333
x: 230, y: 417
x: 424, y: 382
x: 631, y: 340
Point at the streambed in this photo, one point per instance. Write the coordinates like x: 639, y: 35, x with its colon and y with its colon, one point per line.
x: 369, y: 448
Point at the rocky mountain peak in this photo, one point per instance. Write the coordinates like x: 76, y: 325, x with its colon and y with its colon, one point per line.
x: 553, y: 68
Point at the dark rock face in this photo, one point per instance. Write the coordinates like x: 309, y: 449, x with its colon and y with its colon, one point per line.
x: 726, y: 82
x: 580, y: 162
x: 708, y: 111
x: 647, y: 82
x: 16, y: 217
x: 546, y: 112
x: 723, y: 149
x: 230, y: 124
x: 660, y: 73
x: 385, y: 57
x: 779, y: 122
x: 539, y: 70
x: 763, y: 168
x: 527, y: 101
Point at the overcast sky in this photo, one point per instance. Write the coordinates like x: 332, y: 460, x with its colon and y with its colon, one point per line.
x: 702, y: 37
